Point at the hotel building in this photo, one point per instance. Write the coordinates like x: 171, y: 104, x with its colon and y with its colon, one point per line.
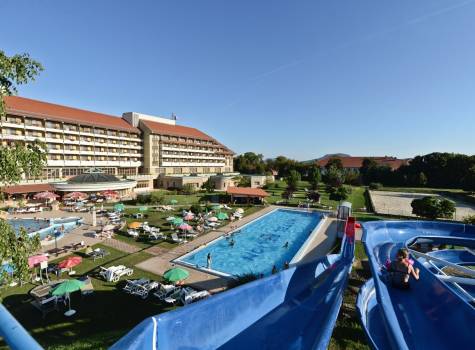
x: 137, y: 146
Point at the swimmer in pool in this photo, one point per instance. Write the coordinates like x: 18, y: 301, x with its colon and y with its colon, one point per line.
x: 286, y: 245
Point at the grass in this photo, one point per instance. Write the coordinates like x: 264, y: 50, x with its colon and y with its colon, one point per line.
x: 102, y: 318
x: 356, y: 197
x: 420, y: 190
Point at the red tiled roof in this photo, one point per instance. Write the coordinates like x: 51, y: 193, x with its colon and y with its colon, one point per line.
x: 247, y: 191
x: 24, y: 106
x: 179, y: 130
x: 356, y: 162
x: 18, y: 189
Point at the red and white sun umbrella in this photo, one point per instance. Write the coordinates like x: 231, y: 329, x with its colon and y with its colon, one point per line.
x: 46, y: 195
x: 76, y: 195
x: 109, y: 194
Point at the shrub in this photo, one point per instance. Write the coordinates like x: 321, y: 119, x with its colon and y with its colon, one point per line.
x: 156, y: 197
x: 375, y: 186
x: 143, y: 198
x: 340, y: 193
x: 433, y: 207
x: 188, y: 189
x: 196, y: 209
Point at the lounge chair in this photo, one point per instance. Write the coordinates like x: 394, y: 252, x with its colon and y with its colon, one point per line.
x: 176, y: 239
x: 132, y: 285
x: 155, y: 235
x: 165, y: 290
x: 143, y: 290
x: 189, y: 297
x: 174, y: 297
x: 133, y: 233
x: 114, y: 273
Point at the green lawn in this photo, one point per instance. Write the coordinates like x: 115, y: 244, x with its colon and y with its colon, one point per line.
x: 102, y: 318
x: 275, y: 190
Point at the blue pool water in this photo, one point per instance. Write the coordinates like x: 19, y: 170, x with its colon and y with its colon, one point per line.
x: 45, y: 227
x: 259, y: 245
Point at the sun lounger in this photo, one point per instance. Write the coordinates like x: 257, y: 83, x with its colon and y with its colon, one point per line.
x: 191, y: 297
x: 132, y: 285
x: 133, y: 233
x: 174, y: 297
x: 114, y: 273
x: 165, y: 290
x: 143, y: 290
x: 176, y: 239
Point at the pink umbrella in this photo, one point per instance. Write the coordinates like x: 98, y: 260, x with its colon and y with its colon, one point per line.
x: 76, y: 195
x: 70, y: 262
x: 45, y: 195
x: 109, y: 193
x: 36, y: 259
x: 189, y: 216
x: 185, y: 227
x: 213, y: 219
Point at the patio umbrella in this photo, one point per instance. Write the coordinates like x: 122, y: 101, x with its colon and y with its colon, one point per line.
x: 177, y: 221
x: 119, y: 207
x: 135, y: 225
x: 67, y: 287
x: 36, y: 259
x: 173, y: 201
x: 70, y: 262
x: 109, y: 193
x: 213, y: 219
x: 185, y: 227
x: 76, y: 195
x: 189, y: 216
x: 45, y: 195
x: 142, y: 209
x: 176, y: 274
x: 222, y: 216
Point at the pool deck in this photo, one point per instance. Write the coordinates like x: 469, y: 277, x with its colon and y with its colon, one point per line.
x: 199, y: 279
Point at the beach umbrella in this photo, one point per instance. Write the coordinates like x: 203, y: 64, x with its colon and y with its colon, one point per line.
x: 119, y: 207
x: 70, y: 262
x: 176, y: 274
x: 76, y: 195
x: 240, y: 210
x: 109, y: 193
x: 185, y: 227
x: 142, y: 209
x: 177, y: 221
x: 173, y: 201
x: 135, y: 225
x: 213, y: 219
x: 189, y: 216
x: 36, y: 259
x: 222, y: 216
x: 45, y: 195
x: 7, y: 268
x: 170, y: 218
x: 65, y: 288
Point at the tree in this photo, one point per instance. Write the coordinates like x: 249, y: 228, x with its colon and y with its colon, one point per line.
x: 15, y: 248
x: 244, y: 181
x: 340, y: 193
x: 468, y: 181
x: 336, y: 162
x: 432, y: 207
x: 250, y: 163
x: 314, y: 177
x: 292, y: 180
x: 156, y: 197
x: 334, y: 176
x: 15, y: 70
x: 21, y: 159
x: 208, y: 186
x: 470, y: 219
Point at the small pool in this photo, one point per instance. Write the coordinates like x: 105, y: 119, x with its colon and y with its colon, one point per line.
x: 45, y: 227
x: 259, y: 245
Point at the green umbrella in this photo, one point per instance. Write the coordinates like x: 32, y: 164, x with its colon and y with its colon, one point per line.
x: 143, y: 209
x: 222, y: 216
x: 119, y: 207
x: 176, y: 274
x: 177, y: 221
x: 67, y: 287
x: 173, y: 201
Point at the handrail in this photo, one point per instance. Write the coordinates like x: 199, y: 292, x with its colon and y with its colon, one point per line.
x: 14, y: 334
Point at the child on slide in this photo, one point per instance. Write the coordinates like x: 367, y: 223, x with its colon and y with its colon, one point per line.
x: 401, y: 270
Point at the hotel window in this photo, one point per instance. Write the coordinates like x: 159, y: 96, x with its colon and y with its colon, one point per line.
x: 177, y: 170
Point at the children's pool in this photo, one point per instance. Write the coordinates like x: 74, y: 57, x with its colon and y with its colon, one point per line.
x: 45, y: 227
x: 272, y: 239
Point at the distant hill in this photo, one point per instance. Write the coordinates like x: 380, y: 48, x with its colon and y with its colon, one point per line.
x: 327, y: 156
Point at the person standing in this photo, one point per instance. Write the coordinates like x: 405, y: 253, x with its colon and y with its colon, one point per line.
x: 208, y: 261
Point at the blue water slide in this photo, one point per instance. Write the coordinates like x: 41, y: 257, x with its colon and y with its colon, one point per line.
x: 294, y: 309
x: 14, y: 334
x: 431, y: 314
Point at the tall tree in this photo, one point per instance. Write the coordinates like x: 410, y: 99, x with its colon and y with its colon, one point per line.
x: 292, y: 180
x: 314, y: 177
x: 250, y: 163
x: 336, y: 162
x: 16, y: 161
x: 15, y: 70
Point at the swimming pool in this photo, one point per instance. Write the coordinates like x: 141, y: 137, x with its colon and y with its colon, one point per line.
x: 259, y: 245
x: 45, y: 227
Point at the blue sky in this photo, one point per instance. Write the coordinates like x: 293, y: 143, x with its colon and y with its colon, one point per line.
x: 297, y: 78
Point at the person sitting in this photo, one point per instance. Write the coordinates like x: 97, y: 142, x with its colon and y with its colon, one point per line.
x: 401, y: 270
